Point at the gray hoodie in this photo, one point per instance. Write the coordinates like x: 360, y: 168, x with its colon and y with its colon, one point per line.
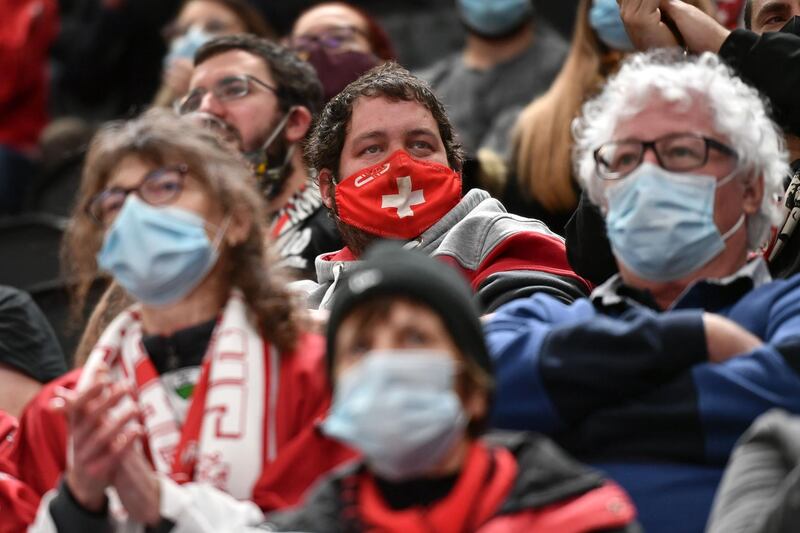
x: 502, y: 255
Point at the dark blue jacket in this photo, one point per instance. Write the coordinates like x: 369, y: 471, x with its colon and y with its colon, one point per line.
x: 629, y: 389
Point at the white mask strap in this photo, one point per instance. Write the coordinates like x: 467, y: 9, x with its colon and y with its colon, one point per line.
x: 734, y: 229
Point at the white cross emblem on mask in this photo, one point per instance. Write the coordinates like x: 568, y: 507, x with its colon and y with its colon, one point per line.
x: 405, y: 198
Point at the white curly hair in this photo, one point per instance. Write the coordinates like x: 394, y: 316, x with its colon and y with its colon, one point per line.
x: 739, y: 113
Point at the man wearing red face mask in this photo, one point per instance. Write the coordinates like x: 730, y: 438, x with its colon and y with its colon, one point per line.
x: 389, y: 168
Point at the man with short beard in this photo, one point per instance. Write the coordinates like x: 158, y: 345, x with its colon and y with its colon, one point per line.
x: 263, y: 99
x: 389, y: 167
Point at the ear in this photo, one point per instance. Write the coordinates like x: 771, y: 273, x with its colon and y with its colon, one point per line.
x: 298, y: 124
x: 753, y: 195
x: 477, y: 405
x: 327, y: 188
x: 239, y: 227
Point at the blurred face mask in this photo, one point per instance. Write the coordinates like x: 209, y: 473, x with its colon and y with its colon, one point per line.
x: 605, y: 20
x: 494, y: 18
x: 400, y: 409
x: 158, y: 254
x: 187, y: 44
x: 337, y: 68
x: 661, y: 223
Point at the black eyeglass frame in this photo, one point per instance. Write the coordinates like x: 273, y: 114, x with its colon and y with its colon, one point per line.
x: 600, y: 164
x: 217, y: 88
x: 181, y: 169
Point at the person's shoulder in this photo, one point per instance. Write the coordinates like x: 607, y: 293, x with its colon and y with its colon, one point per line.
x: 308, y: 355
x: 322, y: 508
x: 436, y: 72
x: 553, y: 487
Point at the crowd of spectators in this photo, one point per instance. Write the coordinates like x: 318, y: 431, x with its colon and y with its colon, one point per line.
x: 424, y: 266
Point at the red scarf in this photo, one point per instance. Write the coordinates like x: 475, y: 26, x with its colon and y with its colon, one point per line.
x: 484, y: 484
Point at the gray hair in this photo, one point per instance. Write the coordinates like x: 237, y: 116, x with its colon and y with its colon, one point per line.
x: 738, y: 111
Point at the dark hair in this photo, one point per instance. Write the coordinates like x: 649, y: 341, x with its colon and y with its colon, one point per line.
x: 298, y: 84
x: 390, y: 80
x: 748, y: 13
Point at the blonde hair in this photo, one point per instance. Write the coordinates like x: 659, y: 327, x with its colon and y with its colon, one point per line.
x: 160, y: 137
x: 542, y: 139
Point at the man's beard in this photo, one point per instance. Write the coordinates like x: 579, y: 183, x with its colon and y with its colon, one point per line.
x: 355, y: 239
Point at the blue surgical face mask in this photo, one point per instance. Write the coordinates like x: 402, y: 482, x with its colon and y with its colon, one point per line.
x: 187, y: 44
x: 400, y: 409
x: 661, y: 223
x: 158, y: 254
x: 494, y: 18
x: 605, y: 19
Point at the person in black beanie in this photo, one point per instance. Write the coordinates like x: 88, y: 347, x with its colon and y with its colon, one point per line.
x: 412, y: 385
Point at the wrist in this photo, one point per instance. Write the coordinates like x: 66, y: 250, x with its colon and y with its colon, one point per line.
x: 92, y: 500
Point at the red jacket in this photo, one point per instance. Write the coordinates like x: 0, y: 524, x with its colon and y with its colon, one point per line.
x: 27, y: 30
x: 304, y: 454
x: 18, y: 502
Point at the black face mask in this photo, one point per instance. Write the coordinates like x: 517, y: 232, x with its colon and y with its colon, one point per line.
x: 792, y: 26
x: 272, y: 161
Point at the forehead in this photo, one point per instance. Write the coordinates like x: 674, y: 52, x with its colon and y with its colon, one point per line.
x: 230, y: 63
x: 203, y: 10
x: 129, y: 171
x: 330, y: 16
x: 389, y: 117
x: 659, y: 117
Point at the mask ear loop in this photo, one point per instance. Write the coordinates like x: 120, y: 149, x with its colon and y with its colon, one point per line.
x: 221, y: 230
x: 721, y: 183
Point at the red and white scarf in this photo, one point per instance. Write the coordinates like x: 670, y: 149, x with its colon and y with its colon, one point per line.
x: 229, y: 431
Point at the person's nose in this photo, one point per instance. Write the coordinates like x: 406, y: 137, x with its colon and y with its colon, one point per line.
x: 383, y: 339
x: 649, y: 155
x: 211, y: 105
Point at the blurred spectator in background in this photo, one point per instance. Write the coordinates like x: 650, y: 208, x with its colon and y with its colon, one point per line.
x: 761, y: 486
x: 108, y: 56
x: 27, y: 30
x: 508, y: 58
x: 30, y: 355
x: 198, y: 22
x: 413, y: 386
x: 342, y: 42
x: 541, y: 184
x: 389, y: 167
x: 212, y: 361
x: 264, y: 99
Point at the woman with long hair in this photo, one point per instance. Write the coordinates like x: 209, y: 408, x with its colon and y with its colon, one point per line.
x: 206, y: 390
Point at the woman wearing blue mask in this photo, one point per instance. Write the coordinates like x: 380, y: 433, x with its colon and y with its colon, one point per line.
x: 202, y: 396
x: 413, y: 386
x: 198, y: 22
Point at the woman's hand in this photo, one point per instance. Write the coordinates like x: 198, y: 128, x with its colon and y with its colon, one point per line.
x: 98, y: 441
x: 138, y: 488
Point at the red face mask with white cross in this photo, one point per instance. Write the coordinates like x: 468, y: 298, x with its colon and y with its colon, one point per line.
x: 398, y: 198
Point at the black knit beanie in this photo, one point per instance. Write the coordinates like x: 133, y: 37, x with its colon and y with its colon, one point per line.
x: 388, y: 269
